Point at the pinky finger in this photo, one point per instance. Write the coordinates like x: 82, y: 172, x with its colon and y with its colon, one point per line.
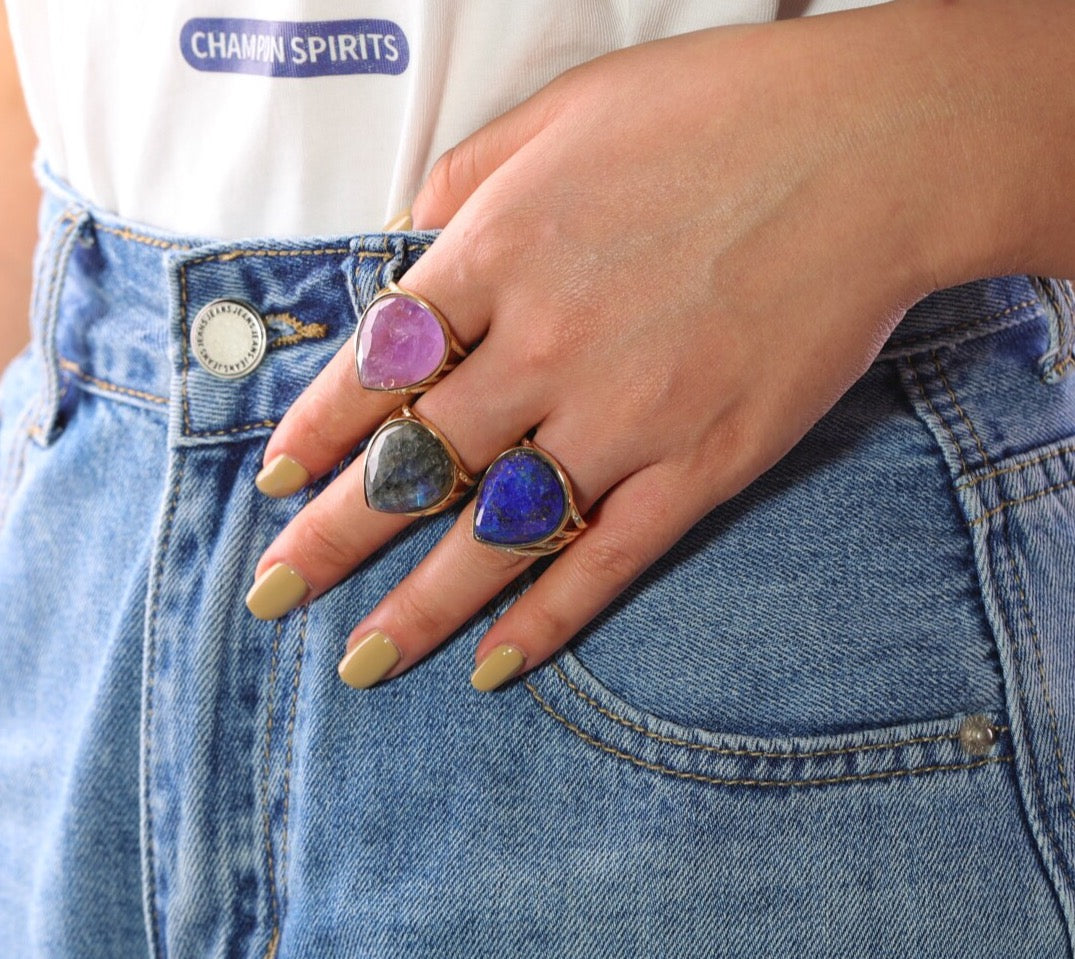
x: 614, y: 549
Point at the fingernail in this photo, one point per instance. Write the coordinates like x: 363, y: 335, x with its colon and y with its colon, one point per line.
x: 370, y: 661
x: 281, y: 476
x: 276, y: 591
x: 502, y: 664
x: 401, y: 221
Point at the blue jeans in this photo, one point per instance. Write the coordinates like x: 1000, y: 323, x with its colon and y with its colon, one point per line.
x: 838, y: 719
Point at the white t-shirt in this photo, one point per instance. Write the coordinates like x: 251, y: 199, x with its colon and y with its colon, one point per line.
x: 235, y: 118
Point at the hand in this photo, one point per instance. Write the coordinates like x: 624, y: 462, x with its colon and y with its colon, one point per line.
x: 674, y: 259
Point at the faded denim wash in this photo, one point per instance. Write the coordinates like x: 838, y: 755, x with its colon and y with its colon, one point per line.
x: 756, y: 752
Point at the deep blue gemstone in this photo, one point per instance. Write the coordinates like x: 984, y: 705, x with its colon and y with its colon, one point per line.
x: 520, y: 501
x: 407, y: 469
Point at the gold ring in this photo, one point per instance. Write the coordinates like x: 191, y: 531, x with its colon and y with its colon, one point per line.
x: 411, y: 468
x: 525, y: 503
x: 403, y: 343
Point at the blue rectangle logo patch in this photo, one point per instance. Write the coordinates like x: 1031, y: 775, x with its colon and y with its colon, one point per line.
x: 276, y: 48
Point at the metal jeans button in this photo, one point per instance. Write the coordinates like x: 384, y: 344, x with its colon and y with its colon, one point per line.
x: 977, y: 735
x: 228, y: 338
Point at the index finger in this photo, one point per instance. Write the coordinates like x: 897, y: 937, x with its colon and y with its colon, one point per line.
x: 335, y: 412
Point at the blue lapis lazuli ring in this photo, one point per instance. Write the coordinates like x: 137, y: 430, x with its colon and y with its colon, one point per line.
x: 525, y: 505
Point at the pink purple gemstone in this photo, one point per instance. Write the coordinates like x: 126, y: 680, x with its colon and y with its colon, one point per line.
x: 520, y: 501
x: 400, y: 344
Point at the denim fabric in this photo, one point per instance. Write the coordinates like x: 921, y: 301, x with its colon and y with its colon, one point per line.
x: 755, y: 752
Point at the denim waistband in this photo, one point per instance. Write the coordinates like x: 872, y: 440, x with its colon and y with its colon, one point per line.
x: 114, y: 302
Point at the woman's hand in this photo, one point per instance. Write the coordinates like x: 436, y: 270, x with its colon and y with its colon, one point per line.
x: 673, y: 260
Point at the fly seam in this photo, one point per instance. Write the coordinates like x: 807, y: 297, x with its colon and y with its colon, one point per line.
x: 292, y: 714
x: 1029, y: 751
x: 269, y: 864
x: 151, y: 662
x: 770, y: 783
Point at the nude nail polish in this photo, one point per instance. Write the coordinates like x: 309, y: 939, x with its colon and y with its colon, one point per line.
x: 502, y: 664
x: 370, y: 661
x: 277, y: 591
x: 281, y: 476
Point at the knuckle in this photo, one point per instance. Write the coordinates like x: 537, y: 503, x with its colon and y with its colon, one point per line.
x: 547, y: 625
x: 321, y: 544
x: 610, y: 561
x: 415, y: 617
x: 498, y: 564
x: 451, y: 173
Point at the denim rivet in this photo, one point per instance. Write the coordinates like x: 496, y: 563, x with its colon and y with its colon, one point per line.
x: 228, y: 338
x: 977, y: 735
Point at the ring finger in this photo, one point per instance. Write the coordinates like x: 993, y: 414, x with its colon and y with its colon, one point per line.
x: 337, y: 530
x: 451, y: 583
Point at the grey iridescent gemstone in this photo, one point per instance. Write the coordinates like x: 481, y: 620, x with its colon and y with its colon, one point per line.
x: 407, y: 469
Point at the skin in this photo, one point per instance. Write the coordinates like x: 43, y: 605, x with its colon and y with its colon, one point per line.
x: 726, y: 225
x: 818, y: 176
x: 19, y: 196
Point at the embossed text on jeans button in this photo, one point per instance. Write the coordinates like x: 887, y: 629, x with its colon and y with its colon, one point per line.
x: 977, y: 735
x: 228, y: 338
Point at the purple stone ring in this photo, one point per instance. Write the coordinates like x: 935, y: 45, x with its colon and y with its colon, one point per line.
x: 403, y: 344
x: 525, y: 504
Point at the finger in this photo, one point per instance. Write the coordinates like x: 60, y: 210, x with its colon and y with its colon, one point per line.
x: 322, y: 426
x: 336, y: 531
x: 335, y: 412
x: 452, y: 582
x: 463, y: 168
x: 637, y: 522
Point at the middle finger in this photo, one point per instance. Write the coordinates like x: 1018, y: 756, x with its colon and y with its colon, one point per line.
x: 478, y: 409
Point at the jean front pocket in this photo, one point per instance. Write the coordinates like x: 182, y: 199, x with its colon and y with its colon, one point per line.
x: 791, y: 737
x: 836, y: 594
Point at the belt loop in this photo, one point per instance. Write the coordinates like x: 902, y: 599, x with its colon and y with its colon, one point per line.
x: 50, y: 268
x: 1058, y: 298
x: 379, y: 259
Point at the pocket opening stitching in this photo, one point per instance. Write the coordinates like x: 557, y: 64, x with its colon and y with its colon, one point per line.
x: 745, y: 753
x: 20, y: 448
x: 761, y: 783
